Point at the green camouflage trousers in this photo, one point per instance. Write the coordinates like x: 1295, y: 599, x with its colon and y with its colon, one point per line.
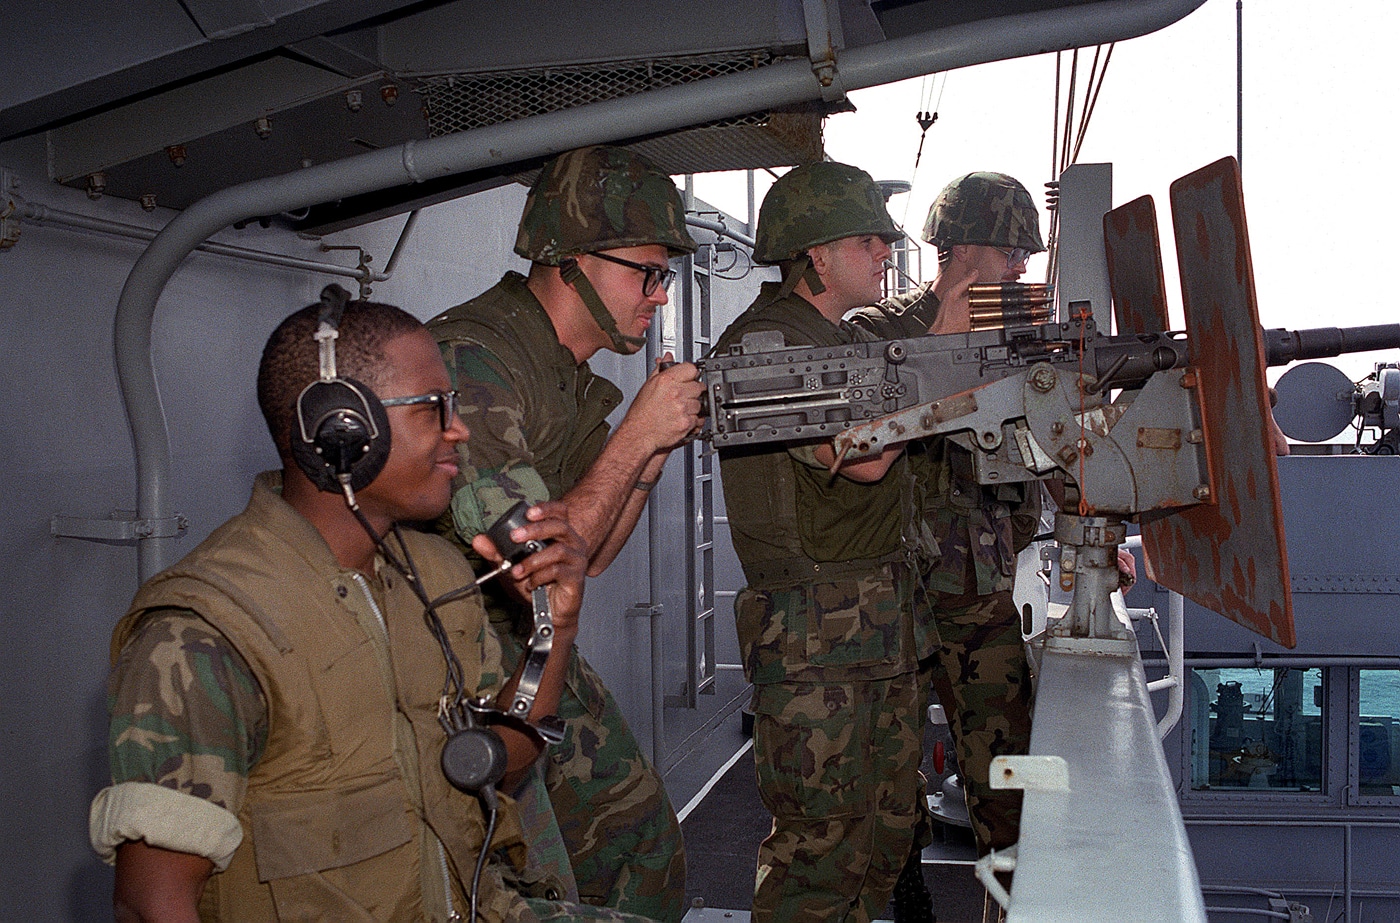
x: 618, y: 827
x: 838, y: 767
x: 981, y: 677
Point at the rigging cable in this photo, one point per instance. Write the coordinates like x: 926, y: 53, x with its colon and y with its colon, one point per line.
x: 1064, y: 151
x: 926, y: 116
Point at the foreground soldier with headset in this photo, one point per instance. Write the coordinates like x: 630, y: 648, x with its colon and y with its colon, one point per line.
x: 825, y: 630
x: 985, y: 227
x: 281, y: 699
x: 599, y: 228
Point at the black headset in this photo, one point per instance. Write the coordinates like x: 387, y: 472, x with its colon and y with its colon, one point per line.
x: 342, y: 436
x: 341, y: 443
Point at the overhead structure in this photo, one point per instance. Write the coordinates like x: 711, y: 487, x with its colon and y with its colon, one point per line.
x: 401, y: 176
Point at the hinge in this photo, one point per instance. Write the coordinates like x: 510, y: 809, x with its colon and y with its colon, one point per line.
x: 9, y: 224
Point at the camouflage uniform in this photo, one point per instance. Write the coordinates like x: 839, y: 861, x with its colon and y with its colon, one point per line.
x: 827, y: 640
x: 262, y: 718
x: 538, y: 422
x: 970, y: 534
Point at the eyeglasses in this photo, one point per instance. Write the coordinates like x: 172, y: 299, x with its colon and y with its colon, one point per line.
x: 654, y: 276
x: 446, y: 402
x: 1016, y: 256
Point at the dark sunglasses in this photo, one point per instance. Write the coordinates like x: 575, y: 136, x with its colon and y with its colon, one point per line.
x: 446, y: 402
x: 654, y: 276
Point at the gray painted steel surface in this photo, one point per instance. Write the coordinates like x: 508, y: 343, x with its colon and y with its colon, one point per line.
x: 1113, y: 847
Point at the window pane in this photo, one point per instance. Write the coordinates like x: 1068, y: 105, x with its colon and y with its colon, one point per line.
x: 1379, y: 756
x: 1257, y: 729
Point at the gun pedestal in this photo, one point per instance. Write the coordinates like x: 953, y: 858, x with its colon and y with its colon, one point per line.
x: 1089, y: 568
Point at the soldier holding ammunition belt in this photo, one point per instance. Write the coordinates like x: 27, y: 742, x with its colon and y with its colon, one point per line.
x: 985, y: 227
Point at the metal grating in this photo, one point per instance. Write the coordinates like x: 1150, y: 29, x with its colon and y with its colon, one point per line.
x: 462, y: 102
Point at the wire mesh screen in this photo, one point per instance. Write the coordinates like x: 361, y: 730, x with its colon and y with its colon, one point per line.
x: 461, y: 102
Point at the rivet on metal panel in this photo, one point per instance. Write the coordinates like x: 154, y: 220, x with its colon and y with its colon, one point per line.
x: 1196, y: 437
x: 1188, y: 379
x: 148, y: 201
x: 389, y: 93
x: 96, y: 185
x: 1202, y: 492
x: 354, y: 100
x: 176, y: 153
x: 263, y: 127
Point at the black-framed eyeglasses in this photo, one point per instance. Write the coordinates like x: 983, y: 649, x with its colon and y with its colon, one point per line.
x: 1015, y: 256
x: 654, y: 276
x: 446, y: 402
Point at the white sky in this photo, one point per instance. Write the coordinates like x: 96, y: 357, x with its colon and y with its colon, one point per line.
x: 1320, y: 101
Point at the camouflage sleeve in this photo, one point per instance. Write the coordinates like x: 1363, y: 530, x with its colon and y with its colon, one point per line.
x: 188, y: 722
x: 497, y: 466
x: 186, y: 711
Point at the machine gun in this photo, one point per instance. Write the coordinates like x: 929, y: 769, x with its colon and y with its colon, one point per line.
x: 1166, y: 428
x: 1031, y: 401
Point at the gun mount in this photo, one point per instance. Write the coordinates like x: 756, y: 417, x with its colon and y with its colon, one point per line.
x: 1168, y: 428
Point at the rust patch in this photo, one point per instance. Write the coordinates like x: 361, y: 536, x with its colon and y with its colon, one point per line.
x: 1229, y: 556
x: 1135, y: 279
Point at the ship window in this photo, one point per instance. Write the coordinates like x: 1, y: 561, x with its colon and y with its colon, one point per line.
x: 1257, y: 729
x: 1378, y: 752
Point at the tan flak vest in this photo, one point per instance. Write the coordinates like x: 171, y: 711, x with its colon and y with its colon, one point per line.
x: 330, y: 828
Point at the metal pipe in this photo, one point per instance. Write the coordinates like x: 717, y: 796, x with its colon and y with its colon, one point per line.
x: 408, y: 226
x: 1176, y: 695
x: 44, y: 214
x: 660, y: 110
x: 1298, y: 662
x: 720, y: 228
x: 1250, y: 912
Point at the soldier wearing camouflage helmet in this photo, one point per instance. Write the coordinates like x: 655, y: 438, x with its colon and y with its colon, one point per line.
x: 599, y: 227
x: 985, y: 226
x: 824, y: 631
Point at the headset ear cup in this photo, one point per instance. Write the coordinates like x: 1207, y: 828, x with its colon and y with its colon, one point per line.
x: 340, y: 428
x: 474, y: 758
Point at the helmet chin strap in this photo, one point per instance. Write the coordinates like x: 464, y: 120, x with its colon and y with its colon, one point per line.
x: 573, y: 276
x: 799, y: 270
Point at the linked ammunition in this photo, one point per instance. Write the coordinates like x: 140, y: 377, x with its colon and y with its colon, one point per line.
x: 1005, y: 304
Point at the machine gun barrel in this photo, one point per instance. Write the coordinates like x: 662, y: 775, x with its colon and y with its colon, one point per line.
x: 1284, y: 346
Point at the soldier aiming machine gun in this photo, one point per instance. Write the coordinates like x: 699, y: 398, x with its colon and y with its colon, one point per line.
x: 1165, y: 427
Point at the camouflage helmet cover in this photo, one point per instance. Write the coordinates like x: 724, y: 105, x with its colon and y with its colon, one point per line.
x: 992, y: 209
x: 816, y: 204
x: 601, y: 198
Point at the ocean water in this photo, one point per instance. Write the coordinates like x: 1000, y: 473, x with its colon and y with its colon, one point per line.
x: 1380, y: 693
x: 1243, y: 751
x: 1380, y: 689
